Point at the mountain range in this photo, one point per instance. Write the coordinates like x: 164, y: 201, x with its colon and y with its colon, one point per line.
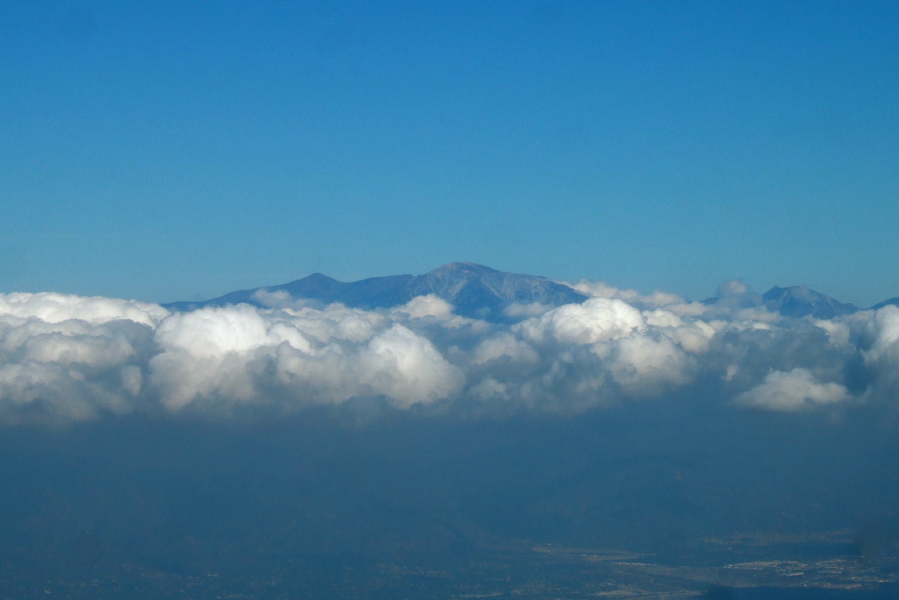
x: 474, y: 291
x: 480, y: 292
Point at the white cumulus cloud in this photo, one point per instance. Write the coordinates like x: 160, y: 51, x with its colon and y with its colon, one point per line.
x: 68, y: 358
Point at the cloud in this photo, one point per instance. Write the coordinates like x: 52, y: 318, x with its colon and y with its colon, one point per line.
x: 658, y: 299
x: 240, y: 355
x: 878, y: 339
x: 791, y: 391
x: 597, y: 319
x: 68, y: 358
x: 56, y: 308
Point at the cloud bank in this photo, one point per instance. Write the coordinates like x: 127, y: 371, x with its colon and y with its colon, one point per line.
x: 67, y: 358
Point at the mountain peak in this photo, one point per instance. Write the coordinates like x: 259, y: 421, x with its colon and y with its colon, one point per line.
x: 801, y: 301
x: 319, y: 277
x: 461, y: 268
x: 482, y: 292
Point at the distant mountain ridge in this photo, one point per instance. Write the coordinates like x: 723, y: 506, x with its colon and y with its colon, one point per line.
x: 800, y: 301
x: 474, y: 291
x: 890, y: 302
x: 480, y: 292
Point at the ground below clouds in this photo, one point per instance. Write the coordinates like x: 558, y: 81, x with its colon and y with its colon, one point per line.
x: 327, y: 494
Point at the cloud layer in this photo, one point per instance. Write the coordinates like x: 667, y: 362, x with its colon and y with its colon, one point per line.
x: 68, y: 358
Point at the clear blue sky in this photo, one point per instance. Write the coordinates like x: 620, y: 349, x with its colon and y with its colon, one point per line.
x: 177, y: 150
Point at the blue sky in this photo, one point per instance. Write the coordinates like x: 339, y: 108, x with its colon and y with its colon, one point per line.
x: 181, y: 150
